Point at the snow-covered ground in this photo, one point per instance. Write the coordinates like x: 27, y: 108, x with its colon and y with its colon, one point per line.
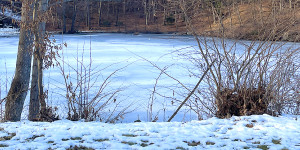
x: 251, y: 132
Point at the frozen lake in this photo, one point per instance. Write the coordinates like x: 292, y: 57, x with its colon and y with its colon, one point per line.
x: 110, y: 52
x: 138, y: 59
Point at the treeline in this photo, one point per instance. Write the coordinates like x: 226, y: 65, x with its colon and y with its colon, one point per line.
x: 245, y: 19
x: 114, y: 15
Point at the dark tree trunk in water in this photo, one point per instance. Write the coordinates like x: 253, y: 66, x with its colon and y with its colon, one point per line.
x: 19, y: 87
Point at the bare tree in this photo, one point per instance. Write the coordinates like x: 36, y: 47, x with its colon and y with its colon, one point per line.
x: 64, y: 19
x: 74, y: 16
x: 19, y: 87
x: 36, y: 92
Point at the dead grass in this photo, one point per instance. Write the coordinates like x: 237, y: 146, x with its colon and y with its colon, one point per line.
x: 193, y: 143
x: 129, y: 143
x: 276, y: 141
x: 79, y: 148
x: 101, y: 140
x: 263, y: 147
x: 9, y: 137
x: 210, y: 143
x: 249, y: 125
x: 129, y: 135
x: 3, y: 145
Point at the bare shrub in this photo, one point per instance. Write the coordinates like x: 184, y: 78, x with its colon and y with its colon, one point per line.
x: 87, y: 97
x: 48, y: 114
x: 258, y: 80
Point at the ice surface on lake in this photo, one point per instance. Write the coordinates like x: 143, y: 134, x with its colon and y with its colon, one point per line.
x: 8, y: 31
x: 112, y: 52
x: 136, y: 79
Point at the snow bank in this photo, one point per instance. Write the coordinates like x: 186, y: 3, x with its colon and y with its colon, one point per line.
x: 251, y: 132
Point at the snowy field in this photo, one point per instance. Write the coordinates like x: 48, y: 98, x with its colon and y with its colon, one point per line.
x: 251, y: 132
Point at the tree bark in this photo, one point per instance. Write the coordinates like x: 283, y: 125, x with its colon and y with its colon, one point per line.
x: 37, y: 92
x: 19, y: 87
x: 34, y: 104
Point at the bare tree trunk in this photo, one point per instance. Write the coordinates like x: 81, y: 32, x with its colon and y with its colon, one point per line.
x: 37, y: 92
x: 117, y: 17
x: 108, y: 10
x: 273, y: 9
x: 99, y: 12
x: 213, y: 13
x: 40, y: 38
x: 165, y: 16
x: 88, y: 16
x: 261, y: 12
x: 239, y: 15
x: 74, y: 16
x: 19, y: 87
x: 34, y: 105
x: 254, y: 12
x: 124, y: 7
x: 280, y: 5
x: 229, y: 10
x: 145, y: 13
x: 64, y: 17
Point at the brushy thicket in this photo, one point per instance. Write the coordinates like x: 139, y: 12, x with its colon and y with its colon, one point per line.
x: 247, y: 77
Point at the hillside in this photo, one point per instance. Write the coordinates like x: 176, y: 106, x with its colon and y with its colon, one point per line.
x: 254, y: 20
x: 240, y: 20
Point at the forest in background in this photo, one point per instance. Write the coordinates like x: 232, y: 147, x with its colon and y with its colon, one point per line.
x: 239, y: 19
